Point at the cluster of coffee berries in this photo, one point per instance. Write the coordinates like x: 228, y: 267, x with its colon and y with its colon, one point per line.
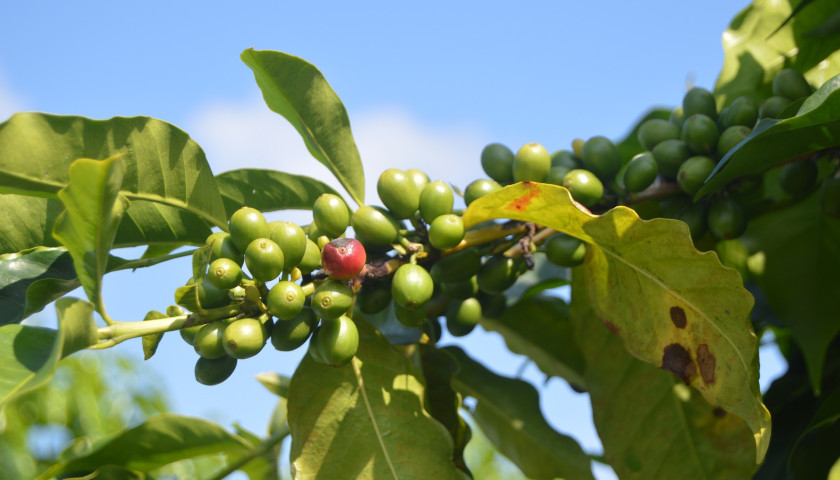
x: 679, y: 155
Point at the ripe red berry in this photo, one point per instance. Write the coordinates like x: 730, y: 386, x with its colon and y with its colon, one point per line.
x: 343, y: 258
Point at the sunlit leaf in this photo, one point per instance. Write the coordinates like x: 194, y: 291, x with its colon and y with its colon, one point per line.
x: 28, y: 222
x: 651, y: 424
x: 93, y: 209
x: 366, y: 420
x: 674, y: 306
x: 508, y: 412
x: 753, y: 53
x: 269, y: 190
x: 158, y: 441
x: 801, y: 243
x: 151, y: 342
x: 297, y: 90
x: 275, y: 383
x: 816, y: 127
x: 29, y: 355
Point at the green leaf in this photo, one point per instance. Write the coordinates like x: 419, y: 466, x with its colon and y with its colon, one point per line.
x: 162, y: 163
x: 652, y: 426
x: 275, y: 383
x: 508, y: 412
x: 28, y: 221
x: 546, y: 338
x: 816, y: 127
x: 366, y: 420
x: 31, y: 279
x: 753, y: 54
x: 801, y: 243
x: 818, y: 448
x: 269, y: 190
x: 672, y: 305
x: 29, y: 355
x: 443, y: 402
x: 158, y: 441
x: 151, y: 342
x: 87, y: 227
x: 297, y: 90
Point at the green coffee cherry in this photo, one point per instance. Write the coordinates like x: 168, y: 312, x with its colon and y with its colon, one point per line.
x: 223, y: 247
x: 224, y: 273
x: 189, y: 333
x: 601, y: 157
x: 791, y: 84
x: 460, y: 290
x: 655, y: 131
x: 577, y: 147
x: 699, y: 101
x: 700, y: 133
x: 730, y: 137
x: 291, y: 239
x: 338, y: 341
x: 693, y: 172
x: 331, y: 299
x: 412, y: 286
x: 398, y: 192
x: 556, y: 175
x: 742, y: 111
x: 409, y: 317
x: 694, y: 215
x: 214, y: 371
x: 497, y: 162
x: 288, y: 335
x: 677, y: 117
x: 285, y: 300
x: 331, y: 214
x: 244, y: 338
x: 209, y: 341
x: 446, y: 231
x: 264, y: 259
x: 798, y: 178
x: 773, y: 107
x: 462, y: 317
x: 498, y: 273
x: 830, y: 197
x: 669, y: 155
x: 478, y: 189
x: 419, y: 178
x: 640, y: 172
x: 584, y: 186
x: 246, y: 225
x: 210, y: 296
x: 436, y: 199
x: 726, y: 219
x: 373, y: 299
x: 311, y: 258
x: 564, y: 250
x: 531, y: 163
x: 375, y: 228
x: 458, y: 267
x: 313, y: 350
x: 566, y: 158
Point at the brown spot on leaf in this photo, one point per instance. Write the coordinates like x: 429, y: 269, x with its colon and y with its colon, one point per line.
x: 613, y: 328
x: 678, y: 317
x: 677, y: 360
x: 522, y: 202
x: 719, y: 412
x: 706, y: 361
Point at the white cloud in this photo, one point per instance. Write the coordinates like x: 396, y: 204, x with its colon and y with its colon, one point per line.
x: 238, y: 135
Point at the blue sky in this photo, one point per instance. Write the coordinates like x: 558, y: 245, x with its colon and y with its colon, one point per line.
x: 425, y: 86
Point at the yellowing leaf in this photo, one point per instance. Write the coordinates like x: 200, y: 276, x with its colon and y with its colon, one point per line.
x: 674, y: 307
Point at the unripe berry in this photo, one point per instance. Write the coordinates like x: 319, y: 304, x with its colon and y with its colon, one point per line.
x: 246, y: 225
x: 412, y: 286
x: 446, y: 231
x: 343, y: 258
x: 331, y: 214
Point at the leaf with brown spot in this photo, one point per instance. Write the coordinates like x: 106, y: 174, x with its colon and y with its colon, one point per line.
x: 664, y: 430
x: 636, y: 271
x: 678, y: 317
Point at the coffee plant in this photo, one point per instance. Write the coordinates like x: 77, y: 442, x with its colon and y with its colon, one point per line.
x: 710, y: 226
